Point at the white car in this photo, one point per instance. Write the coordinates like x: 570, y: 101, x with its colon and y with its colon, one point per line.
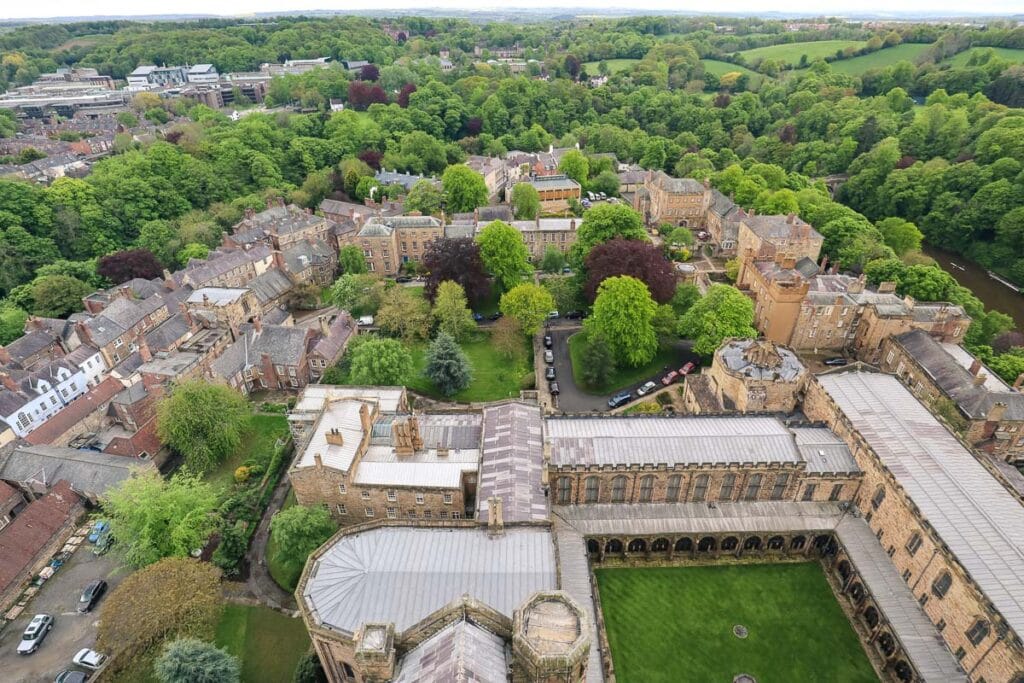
x: 89, y: 659
x: 365, y: 321
x: 646, y: 389
x: 35, y: 633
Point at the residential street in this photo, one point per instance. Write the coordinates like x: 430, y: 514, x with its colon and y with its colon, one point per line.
x: 71, y: 632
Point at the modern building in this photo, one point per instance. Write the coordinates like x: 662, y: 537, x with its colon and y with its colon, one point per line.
x: 145, y: 77
x: 555, y: 190
x: 202, y: 73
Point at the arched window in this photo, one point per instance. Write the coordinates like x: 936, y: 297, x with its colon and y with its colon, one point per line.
x: 857, y: 592
x: 752, y: 543
x: 903, y: 671
x: 730, y: 543
x: 592, y: 489
x: 564, y: 491
x: 700, y: 487
x: 684, y: 545
x: 619, y: 489
x: 707, y: 544
x: 844, y: 570
x: 886, y: 644
x: 871, y: 617
x: 978, y: 632
x: 646, y: 488
x: 876, y: 500
x: 593, y: 547
x: 660, y: 545
x: 613, y: 546
x: 798, y: 543
x: 349, y: 673
x: 753, y: 487
x: 913, y: 543
x: 728, y: 484
x: 672, y: 492
x: 779, y: 489
x: 637, y: 545
x: 776, y: 543
x: 942, y: 584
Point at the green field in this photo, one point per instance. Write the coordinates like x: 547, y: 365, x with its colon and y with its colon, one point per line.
x: 674, y: 625
x: 1007, y: 53
x: 791, y: 52
x: 614, y: 66
x: 907, y: 52
x: 258, y: 441
x: 268, y: 643
x: 621, y: 377
x: 713, y: 66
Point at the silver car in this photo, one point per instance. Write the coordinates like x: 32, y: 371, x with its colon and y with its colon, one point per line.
x: 35, y: 633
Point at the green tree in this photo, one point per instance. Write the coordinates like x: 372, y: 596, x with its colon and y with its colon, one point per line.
x: 623, y: 315
x: 383, y: 362
x: 553, y: 260
x: 451, y: 311
x: 566, y: 291
x: 402, y: 314
x: 359, y: 294
x: 12, y: 322
x: 157, y: 518
x: 300, y: 529
x: 680, y: 236
x: 575, y: 165
x: 56, y: 296
x: 424, y: 197
x: 504, y: 253
x: 605, y: 181
x: 602, y: 223
x: 507, y: 337
x: 525, y: 201
x: 686, y: 296
x: 192, y: 251
x: 161, y: 238
x: 447, y: 366
x: 309, y: 670
x: 900, y: 235
x: 203, y: 422
x: 464, y: 188
x: 722, y: 313
x: 351, y: 260
x: 528, y: 304
x: 189, y: 660
x: 598, y: 360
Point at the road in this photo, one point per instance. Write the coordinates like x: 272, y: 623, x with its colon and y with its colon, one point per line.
x: 71, y: 632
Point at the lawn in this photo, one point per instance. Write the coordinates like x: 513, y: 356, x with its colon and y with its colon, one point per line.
x: 614, y: 66
x: 1007, y: 53
x: 494, y: 376
x: 268, y: 643
x: 713, y: 66
x: 258, y: 439
x: 906, y: 52
x: 791, y: 52
x: 621, y: 377
x: 674, y: 624
x: 284, y: 570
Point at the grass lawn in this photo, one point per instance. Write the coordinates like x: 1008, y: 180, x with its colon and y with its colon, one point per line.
x: 494, y: 376
x: 791, y: 52
x: 622, y: 377
x: 268, y: 643
x: 285, y: 571
x: 258, y: 441
x: 905, y: 52
x: 1007, y: 53
x: 674, y: 624
x: 713, y: 66
x: 614, y: 66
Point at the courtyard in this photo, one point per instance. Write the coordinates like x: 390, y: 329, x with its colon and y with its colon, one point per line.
x: 677, y: 624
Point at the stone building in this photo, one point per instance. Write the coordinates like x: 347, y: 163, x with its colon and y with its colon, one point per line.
x: 229, y: 307
x: 747, y: 375
x: 390, y: 241
x: 677, y: 201
x: 764, y: 237
x: 993, y: 411
x: 279, y: 226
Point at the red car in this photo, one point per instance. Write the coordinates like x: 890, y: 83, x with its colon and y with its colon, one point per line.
x: 669, y: 378
x: 687, y: 369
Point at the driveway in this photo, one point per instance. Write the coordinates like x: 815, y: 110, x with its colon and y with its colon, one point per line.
x: 71, y: 632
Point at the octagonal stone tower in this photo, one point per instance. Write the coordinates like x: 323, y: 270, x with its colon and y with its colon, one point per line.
x: 550, y: 640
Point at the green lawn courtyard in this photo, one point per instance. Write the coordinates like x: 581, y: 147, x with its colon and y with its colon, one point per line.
x: 268, y: 644
x: 621, y: 377
x: 258, y: 440
x: 675, y: 625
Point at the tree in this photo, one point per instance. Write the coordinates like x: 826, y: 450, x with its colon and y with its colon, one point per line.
x: 447, y: 365
x: 598, y: 360
x: 565, y: 290
x: 203, y: 422
x: 192, y: 250
x: 686, y: 296
x: 57, y: 296
x: 189, y: 660
x: 401, y: 314
x: 901, y: 235
x: 525, y: 201
x: 623, y: 315
x: 456, y: 260
x: 351, y: 260
x: 358, y: 294
x: 12, y: 322
x: 606, y: 182
x: 451, y: 311
x: 464, y: 188
x: 177, y: 596
x: 369, y: 72
x: 504, y: 253
x: 602, y: 223
x: 425, y: 197
x: 641, y: 260
x: 300, y: 529
x: 507, y: 337
x: 309, y: 670
x: 722, y: 313
x: 529, y: 304
x: 576, y: 166
x: 382, y: 362
x: 553, y: 260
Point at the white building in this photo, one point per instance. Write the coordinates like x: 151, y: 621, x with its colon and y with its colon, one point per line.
x: 27, y: 402
x: 202, y: 73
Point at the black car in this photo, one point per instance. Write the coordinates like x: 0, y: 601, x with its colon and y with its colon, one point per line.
x: 549, y: 374
x: 495, y: 316
x: 403, y: 278
x: 619, y: 399
x: 573, y: 315
x: 838, y: 361
x: 553, y: 388
x: 91, y: 594
x: 547, y: 341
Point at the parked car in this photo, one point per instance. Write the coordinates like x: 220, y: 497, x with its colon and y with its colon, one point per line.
x: 549, y: 357
x: 549, y: 373
x: 647, y: 388
x: 35, y: 633
x: 670, y: 377
x: 547, y: 341
x: 572, y: 315
x: 91, y: 594
x: 89, y: 659
x: 619, y: 399
x: 836, y: 361
x: 100, y: 527
x: 478, y: 317
x: 687, y: 369
x: 553, y: 314
x: 553, y: 388
x: 495, y: 316
x: 365, y: 321
x: 403, y: 278
x: 71, y: 676
x: 585, y: 203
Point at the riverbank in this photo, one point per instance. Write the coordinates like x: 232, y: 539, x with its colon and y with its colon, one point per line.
x: 991, y: 292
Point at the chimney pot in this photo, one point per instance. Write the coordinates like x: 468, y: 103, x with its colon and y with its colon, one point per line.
x: 257, y: 324
x: 319, y: 461
x: 975, y: 367
x: 980, y: 379
x: 1019, y: 382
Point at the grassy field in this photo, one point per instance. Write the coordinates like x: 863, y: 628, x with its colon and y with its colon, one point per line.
x: 791, y: 52
x: 713, y: 66
x: 494, y: 376
x: 674, y: 624
x: 284, y: 570
x: 907, y: 52
x: 268, y: 643
x: 1007, y: 53
x: 614, y: 66
x: 258, y: 441
x: 622, y: 377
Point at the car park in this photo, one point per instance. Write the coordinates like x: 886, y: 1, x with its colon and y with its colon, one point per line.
x: 837, y: 361
x: 619, y: 399
x: 547, y: 341
x: 100, y: 527
x: 687, y: 369
x: 549, y: 357
x: 71, y: 676
x: 91, y: 594
x: 35, y: 633
x: 647, y: 388
x: 549, y: 373
x: 670, y: 377
x: 89, y: 659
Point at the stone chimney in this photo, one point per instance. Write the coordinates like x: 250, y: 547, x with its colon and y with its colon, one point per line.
x: 495, y: 516
x: 886, y: 287
x: 824, y: 264
x: 857, y: 286
x: 5, y: 357
x: 996, y: 412
x: 83, y: 332
x: 909, y: 302
x: 980, y: 379
x: 318, y: 459
x: 365, y: 419
x: 270, y: 203
x: 144, y: 351
x: 257, y: 324
x: 476, y: 215
x: 185, y: 313
x: 375, y: 652
x: 1019, y: 382
x: 8, y: 381
x: 975, y: 367
x: 250, y: 213
x: 334, y: 437
x: 788, y: 261
x: 206, y: 299
x: 325, y: 327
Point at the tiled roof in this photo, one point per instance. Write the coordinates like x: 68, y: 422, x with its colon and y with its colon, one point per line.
x: 27, y: 536
x: 89, y: 472
x: 75, y: 411
x: 270, y: 285
x: 340, y: 331
x: 512, y: 463
x: 461, y: 652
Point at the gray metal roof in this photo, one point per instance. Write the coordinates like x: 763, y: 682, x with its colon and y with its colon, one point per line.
x: 554, y: 182
x: 512, y: 463
x: 921, y: 641
x: 761, y: 359
x: 980, y: 522
x: 88, y: 472
x: 574, y: 579
x: 461, y: 652
x: 403, y: 574
x: 823, y: 451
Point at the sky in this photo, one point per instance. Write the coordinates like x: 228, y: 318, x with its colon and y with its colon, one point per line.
x: 66, y: 8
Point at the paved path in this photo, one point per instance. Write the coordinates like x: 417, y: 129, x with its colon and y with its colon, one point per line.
x: 260, y: 583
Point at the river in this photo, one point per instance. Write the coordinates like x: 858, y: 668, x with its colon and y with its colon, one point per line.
x: 993, y: 294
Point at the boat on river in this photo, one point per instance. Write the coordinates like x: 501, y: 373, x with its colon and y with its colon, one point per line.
x: 1002, y: 281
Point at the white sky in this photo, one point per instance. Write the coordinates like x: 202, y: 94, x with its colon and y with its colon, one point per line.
x: 10, y: 9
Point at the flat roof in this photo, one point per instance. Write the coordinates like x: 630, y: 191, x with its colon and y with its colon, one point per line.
x: 978, y: 519
x: 342, y: 416
x: 313, y: 396
x: 440, y: 475
x: 218, y: 296
x: 403, y: 574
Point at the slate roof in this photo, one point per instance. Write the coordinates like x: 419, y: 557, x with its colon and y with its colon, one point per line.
x: 461, y: 652
x: 512, y: 463
x: 74, y: 412
x: 314, y: 252
x: 678, y: 185
x: 88, y: 472
x: 285, y: 345
x: 27, y: 536
x: 270, y: 285
x: 29, y: 344
x: 778, y: 226
x: 340, y: 331
x: 167, y: 334
x: 333, y: 206
x: 201, y: 272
